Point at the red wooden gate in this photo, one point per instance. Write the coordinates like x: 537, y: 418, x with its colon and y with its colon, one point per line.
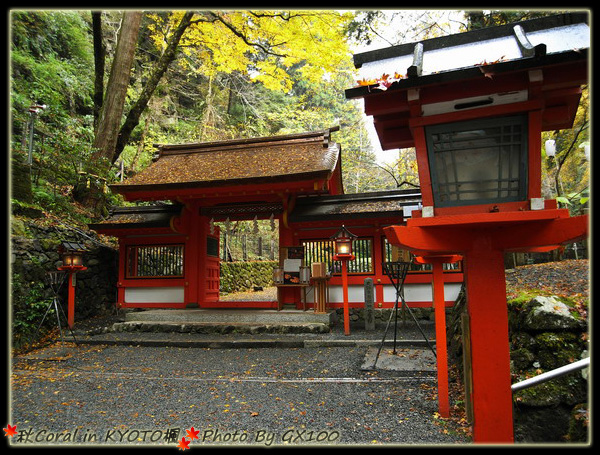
x: 213, y: 268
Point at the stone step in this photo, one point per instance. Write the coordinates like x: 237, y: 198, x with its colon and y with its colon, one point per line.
x: 260, y: 317
x: 220, y: 327
x: 221, y: 321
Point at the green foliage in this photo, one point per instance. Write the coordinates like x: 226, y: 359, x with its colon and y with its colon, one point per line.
x: 51, y: 57
x: 492, y: 18
x: 52, y: 64
x: 566, y: 176
x: 28, y: 306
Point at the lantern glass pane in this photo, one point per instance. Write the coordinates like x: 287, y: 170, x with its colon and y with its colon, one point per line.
x: 343, y: 247
x: 478, y: 162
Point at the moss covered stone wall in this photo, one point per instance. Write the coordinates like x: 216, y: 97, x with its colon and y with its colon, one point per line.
x: 545, y: 332
x: 242, y: 276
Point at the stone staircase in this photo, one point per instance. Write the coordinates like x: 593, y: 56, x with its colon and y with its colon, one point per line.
x: 222, y: 321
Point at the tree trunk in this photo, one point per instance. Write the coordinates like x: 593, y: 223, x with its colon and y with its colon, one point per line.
x: 116, y: 89
x: 99, y: 54
x: 133, y: 117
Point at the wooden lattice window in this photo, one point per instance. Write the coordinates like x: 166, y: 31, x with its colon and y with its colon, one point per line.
x: 155, y: 261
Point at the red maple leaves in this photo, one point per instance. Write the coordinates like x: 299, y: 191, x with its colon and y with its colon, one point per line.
x: 191, y: 434
x: 183, y: 444
x: 385, y: 81
x: 10, y: 431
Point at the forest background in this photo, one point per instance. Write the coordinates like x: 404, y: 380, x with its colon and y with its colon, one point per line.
x: 92, y: 92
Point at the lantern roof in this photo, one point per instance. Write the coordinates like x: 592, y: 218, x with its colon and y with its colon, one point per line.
x: 558, y: 35
x: 343, y: 233
x: 489, y: 66
x: 72, y: 247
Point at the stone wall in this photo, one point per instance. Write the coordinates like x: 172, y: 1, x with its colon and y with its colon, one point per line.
x: 545, y: 333
x: 243, y: 276
x: 34, y: 252
x: 382, y: 315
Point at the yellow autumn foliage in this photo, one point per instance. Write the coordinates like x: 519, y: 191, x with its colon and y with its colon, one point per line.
x: 263, y: 44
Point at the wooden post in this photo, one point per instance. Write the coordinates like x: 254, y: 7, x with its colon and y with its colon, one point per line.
x: 192, y: 257
x: 369, y: 305
x: 486, y: 302
x: 466, y: 360
x: 345, y: 292
x: 482, y: 239
x: 71, y: 301
x: 439, y: 303
x: 71, y: 270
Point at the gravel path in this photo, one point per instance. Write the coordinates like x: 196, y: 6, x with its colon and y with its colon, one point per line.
x: 266, y: 397
x: 96, y: 395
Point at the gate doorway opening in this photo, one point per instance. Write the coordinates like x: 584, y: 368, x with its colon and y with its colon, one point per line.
x: 248, y: 251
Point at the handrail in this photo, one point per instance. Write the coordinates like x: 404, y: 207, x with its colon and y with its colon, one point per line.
x: 561, y: 371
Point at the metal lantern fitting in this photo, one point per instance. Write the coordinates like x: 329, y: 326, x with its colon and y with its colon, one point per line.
x: 342, y: 243
x: 478, y: 162
x: 73, y: 258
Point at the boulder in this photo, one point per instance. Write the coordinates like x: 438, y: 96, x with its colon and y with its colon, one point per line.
x: 549, y: 313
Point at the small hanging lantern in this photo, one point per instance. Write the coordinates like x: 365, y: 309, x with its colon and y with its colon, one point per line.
x: 72, y: 254
x: 586, y: 149
x: 343, y: 244
x: 550, y: 147
x: 72, y: 259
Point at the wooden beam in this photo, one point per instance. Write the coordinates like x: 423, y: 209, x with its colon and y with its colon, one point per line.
x: 546, y: 234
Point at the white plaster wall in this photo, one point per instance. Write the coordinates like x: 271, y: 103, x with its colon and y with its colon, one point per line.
x: 412, y: 293
x: 421, y: 292
x: 155, y: 295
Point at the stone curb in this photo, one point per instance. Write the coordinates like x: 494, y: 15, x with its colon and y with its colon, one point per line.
x: 241, y: 343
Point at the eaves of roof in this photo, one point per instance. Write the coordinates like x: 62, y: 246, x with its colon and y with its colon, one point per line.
x: 354, y: 206
x: 461, y: 41
x: 266, y: 160
x: 154, y: 216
